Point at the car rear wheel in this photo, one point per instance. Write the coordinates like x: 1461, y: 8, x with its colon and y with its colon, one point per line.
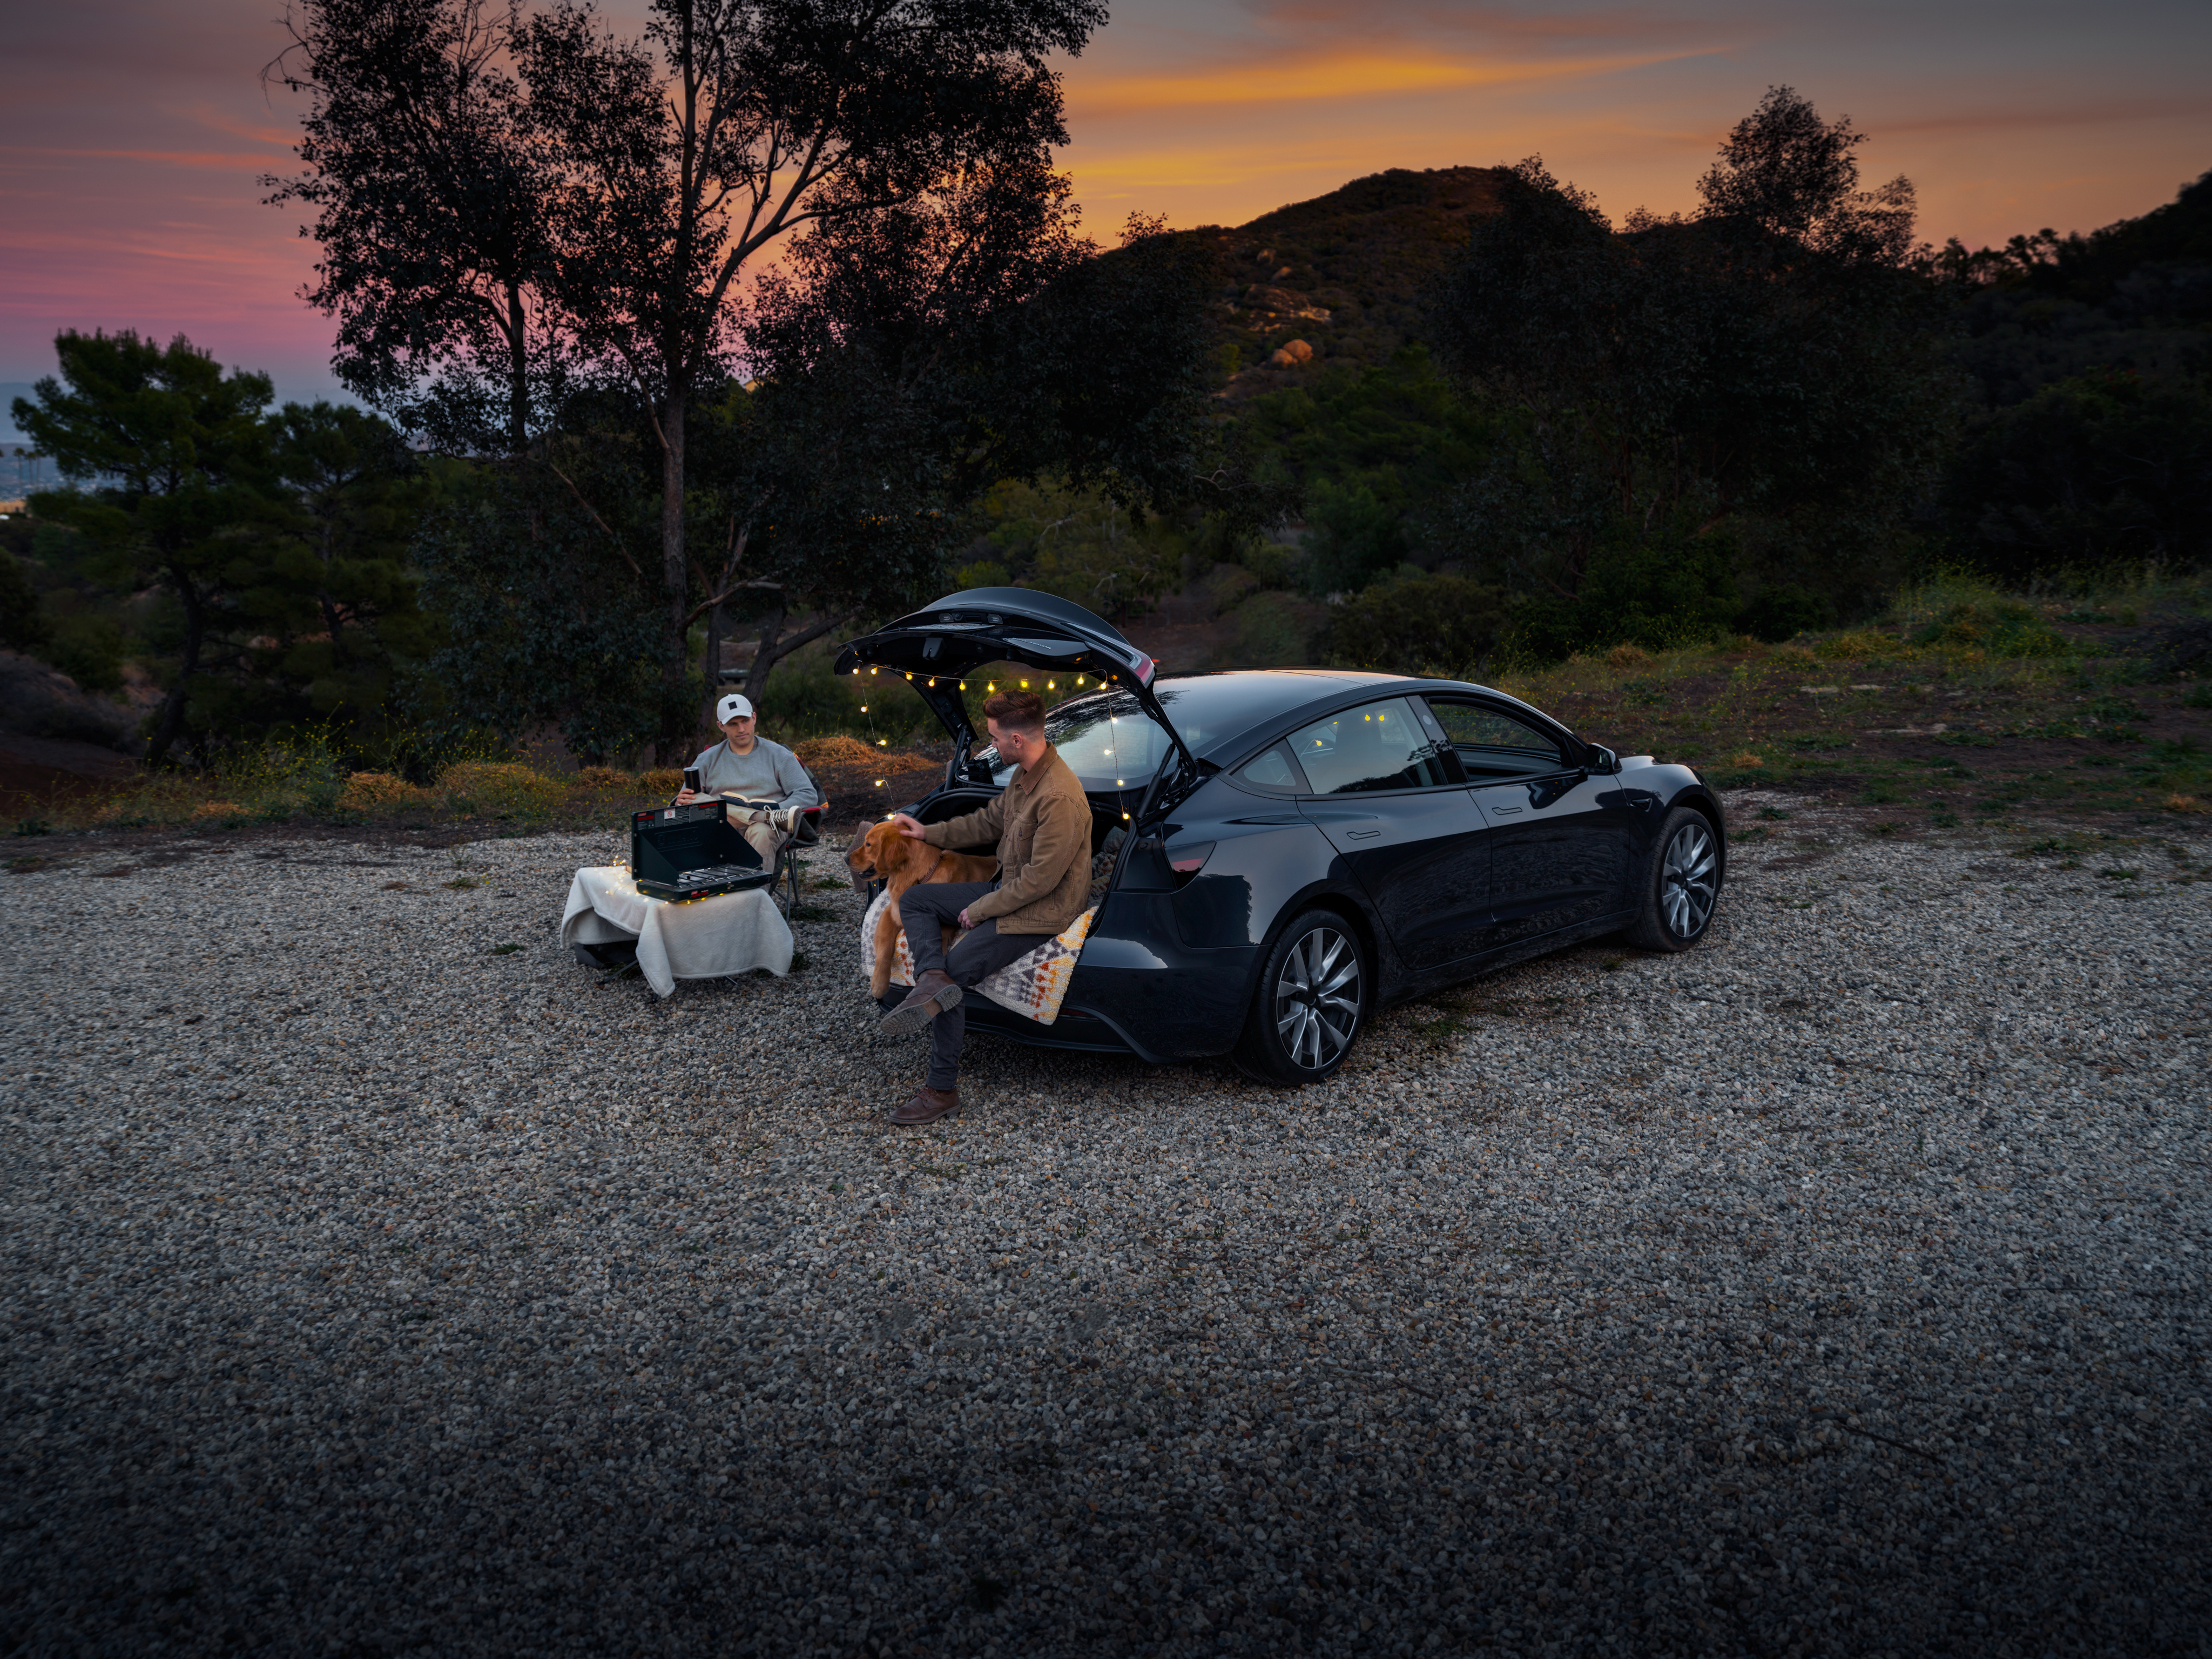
x: 1311, y: 1001
x: 1681, y: 883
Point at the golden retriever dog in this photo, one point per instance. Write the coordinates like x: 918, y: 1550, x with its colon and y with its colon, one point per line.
x: 902, y: 862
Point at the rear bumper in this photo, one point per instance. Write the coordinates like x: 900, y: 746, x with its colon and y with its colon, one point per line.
x: 1138, y: 990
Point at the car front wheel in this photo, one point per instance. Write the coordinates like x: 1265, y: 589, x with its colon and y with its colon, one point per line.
x: 1681, y: 883
x: 1311, y: 1001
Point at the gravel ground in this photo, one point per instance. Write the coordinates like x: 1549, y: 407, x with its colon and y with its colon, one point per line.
x: 1835, y: 1288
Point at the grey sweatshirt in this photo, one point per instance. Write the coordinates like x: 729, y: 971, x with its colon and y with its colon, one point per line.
x: 770, y: 773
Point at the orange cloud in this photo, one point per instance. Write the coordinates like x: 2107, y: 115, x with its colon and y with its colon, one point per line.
x: 1319, y: 74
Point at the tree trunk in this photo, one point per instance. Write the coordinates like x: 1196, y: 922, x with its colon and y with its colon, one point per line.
x: 517, y: 373
x: 765, y: 655
x: 172, y: 718
x: 775, y: 645
x: 676, y: 722
x: 713, y: 658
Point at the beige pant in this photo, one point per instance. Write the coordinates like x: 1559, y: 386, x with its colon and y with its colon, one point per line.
x: 764, y: 839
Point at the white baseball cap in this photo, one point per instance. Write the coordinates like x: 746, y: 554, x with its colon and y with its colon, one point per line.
x: 732, y: 708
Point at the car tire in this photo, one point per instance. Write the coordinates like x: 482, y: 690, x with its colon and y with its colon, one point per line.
x: 1315, y: 991
x: 1681, y: 883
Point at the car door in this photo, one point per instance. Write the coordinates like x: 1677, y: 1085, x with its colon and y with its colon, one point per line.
x: 1559, y: 837
x: 1383, y: 787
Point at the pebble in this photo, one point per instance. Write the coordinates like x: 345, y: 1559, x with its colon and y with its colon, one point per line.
x: 1835, y: 1287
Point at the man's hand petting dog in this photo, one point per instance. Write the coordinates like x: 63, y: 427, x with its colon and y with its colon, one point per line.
x: 910, y: 827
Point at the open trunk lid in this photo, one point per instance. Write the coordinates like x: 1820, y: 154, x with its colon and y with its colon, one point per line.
x: 933, y: 648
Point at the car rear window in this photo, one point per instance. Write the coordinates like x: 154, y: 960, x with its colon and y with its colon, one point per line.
x: 1110, y: 743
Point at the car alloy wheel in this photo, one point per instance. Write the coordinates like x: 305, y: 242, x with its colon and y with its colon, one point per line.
x: 1315, y: 1002
x: 1689, y: 880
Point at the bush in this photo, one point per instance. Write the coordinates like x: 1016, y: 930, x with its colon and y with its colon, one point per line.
x: 1856, y: 645
x: 2097, y: 473
x: 1275, y: 564
x: 1275, y: 631
x: 1958, y: 612
x: 982, y: 573
x: 21, y: 627
x: 89, y: 648
x: 375, y: 792
x: 500, y: 789
x: 1776, y: 614
x: 1418, y: 624
x: 834, y: 752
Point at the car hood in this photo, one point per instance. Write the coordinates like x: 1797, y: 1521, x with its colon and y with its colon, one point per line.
x: 934, y: 647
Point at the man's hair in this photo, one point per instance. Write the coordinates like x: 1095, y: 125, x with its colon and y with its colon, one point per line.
x: 1016, y: 711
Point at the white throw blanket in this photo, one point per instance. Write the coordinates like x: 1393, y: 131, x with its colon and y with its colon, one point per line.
x: 692, y: 939
x: 1032, y: 985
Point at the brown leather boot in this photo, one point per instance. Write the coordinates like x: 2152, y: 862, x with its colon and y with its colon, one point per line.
x: 928, y: 1105
x: 932, y: 994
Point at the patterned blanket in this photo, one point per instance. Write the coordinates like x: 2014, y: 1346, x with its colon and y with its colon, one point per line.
x: 1030, y: 985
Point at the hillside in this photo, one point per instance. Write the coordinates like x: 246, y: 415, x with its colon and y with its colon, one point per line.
x: 1342, y: 272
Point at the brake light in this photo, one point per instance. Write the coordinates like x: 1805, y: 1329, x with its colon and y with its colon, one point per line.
x: 1145, y: 668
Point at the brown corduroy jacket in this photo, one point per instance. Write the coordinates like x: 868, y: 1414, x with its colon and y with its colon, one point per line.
x: 1042, y: 822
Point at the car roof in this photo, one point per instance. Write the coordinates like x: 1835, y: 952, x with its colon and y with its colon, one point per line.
x: 1310, y: 693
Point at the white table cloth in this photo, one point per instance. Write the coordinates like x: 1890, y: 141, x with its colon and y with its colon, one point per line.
x: 697, y: 939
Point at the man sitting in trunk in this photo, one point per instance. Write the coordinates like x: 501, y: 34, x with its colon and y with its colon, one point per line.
x: 1042, y: 823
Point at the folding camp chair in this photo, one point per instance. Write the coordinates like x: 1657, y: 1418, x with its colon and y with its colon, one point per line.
x: 807, y: 832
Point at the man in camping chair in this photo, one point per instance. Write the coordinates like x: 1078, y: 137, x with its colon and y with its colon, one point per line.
x: 1042, y: 823
x: 771, y: 789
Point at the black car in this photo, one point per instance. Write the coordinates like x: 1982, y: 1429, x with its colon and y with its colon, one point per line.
x: 1292, y: 849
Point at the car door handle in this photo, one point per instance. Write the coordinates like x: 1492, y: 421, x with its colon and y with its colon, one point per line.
x: 1361, y: 835
x: 1503, y: 811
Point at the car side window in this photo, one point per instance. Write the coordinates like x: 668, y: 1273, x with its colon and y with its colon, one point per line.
x: 1273, y: 770
x: 1377, y: 746
x: 1491, y: 743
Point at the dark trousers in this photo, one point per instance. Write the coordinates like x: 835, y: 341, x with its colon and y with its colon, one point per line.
x: 926, y: 907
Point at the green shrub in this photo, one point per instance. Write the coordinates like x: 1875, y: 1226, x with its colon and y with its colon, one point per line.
x: 89, y: 648
x: 1275, y: 631
x: 1776, y: 614
x: 1414, y: 623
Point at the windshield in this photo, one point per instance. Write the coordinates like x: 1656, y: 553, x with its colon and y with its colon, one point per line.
x: 1110, y: 743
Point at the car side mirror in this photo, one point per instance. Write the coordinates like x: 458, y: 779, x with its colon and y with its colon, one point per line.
x: 1602, y: 759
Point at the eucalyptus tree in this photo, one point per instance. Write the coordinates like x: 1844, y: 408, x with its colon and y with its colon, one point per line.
x: 681, y: 156
x: 430, y: 193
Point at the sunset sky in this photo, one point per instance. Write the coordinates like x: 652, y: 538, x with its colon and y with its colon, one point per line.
x: 133, y: 131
